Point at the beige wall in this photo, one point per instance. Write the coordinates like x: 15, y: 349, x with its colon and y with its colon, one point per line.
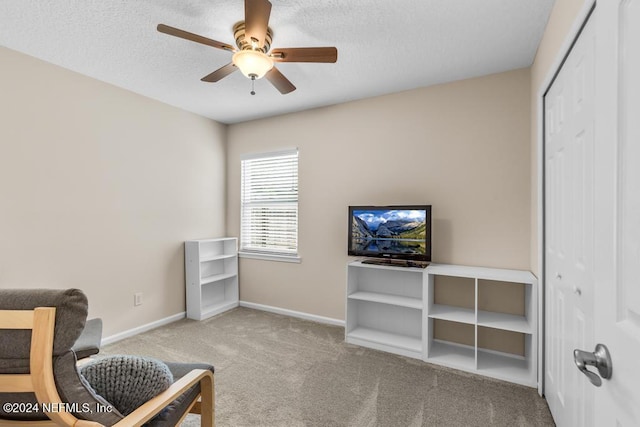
x: 462, y: 147
x: 99, y: 187
x: 562, y: 18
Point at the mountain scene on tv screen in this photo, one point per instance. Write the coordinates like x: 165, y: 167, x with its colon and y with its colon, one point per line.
x: 389, y: 231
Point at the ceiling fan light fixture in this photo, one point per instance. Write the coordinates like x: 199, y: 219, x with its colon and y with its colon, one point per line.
x: 252, y: 63
x: 253, y: 38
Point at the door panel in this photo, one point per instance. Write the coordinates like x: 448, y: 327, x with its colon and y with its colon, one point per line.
x: 629, y: 172
x: 569, y: 242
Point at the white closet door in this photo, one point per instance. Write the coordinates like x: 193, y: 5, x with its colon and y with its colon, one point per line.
x: 569, y: 232
x: 617, y: 308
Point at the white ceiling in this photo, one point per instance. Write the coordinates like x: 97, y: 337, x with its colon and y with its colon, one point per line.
x: 383, y: 46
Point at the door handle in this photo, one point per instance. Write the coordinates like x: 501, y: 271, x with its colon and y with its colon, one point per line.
x: 600, y: 358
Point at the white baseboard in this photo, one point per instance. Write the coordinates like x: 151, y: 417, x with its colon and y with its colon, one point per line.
x: 144, y: 328
x: 174, y: 318
x: 292, y: 313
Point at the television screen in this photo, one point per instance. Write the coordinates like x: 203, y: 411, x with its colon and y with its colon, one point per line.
x: 402, y: 232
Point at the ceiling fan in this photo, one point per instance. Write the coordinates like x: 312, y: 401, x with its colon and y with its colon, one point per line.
x: 253, y: 55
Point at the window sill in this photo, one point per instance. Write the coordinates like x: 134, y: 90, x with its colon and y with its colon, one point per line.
x: 270, y: 257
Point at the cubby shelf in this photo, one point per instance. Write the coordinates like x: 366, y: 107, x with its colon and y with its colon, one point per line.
x: 394, y: 309
x: 521, y: 369
x: 211, y: 271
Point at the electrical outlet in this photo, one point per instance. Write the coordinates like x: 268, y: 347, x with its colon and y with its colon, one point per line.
x: 137, y: 299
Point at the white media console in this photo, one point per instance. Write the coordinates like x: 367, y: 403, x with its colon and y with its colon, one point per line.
x: 395, y: 309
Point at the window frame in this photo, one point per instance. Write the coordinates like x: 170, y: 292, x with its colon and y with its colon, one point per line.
x: 267, y: 254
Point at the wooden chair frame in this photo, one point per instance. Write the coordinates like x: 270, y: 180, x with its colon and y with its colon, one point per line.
x: 41, y: 382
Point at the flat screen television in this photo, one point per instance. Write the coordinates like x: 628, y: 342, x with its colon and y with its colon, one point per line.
x: 398, y: 232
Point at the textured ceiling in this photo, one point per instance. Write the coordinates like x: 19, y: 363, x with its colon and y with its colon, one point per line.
x: 383, y: 46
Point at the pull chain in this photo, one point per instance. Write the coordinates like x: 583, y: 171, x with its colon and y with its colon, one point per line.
x: 253, y: 84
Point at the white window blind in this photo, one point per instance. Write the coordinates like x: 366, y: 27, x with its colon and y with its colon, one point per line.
x: 269, y: 197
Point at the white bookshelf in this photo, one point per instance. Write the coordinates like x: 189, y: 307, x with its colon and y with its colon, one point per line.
x: 384, y: 308
x: 521, y: 369
x: 211, y: 271
x: 393, y: 309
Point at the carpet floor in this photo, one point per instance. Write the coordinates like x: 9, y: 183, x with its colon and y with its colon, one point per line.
x: 274, y: 370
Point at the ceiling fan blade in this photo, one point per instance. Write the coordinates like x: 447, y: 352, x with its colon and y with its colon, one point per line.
x: 280, y: 81
x: 193, y: 37
x: 305, y: 54
x: 256, y: 20
x: 220, y: 73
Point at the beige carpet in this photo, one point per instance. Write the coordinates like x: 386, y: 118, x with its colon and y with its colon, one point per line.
x: 274, y: 370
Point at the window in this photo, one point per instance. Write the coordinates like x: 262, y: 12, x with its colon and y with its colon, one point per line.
x: 269, y: 197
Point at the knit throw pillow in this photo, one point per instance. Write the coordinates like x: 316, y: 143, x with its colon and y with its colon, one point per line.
x: 127, y: 381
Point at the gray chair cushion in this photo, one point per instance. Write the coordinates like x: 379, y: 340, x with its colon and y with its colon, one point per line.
x: 127, y: 382
x: 89, y: 341
x: 71, y: 314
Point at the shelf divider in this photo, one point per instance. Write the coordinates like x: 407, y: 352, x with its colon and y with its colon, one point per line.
x: 208, y: 258
x: 398, y: 300
x: 452, y: 313
x: 507, y: 322
x: 381, y: 337
x: 452, y: 355
x: 216, y: 278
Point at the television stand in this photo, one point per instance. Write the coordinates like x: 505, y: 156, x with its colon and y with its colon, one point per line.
x: 395, y: 262
x: 403, y: 311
